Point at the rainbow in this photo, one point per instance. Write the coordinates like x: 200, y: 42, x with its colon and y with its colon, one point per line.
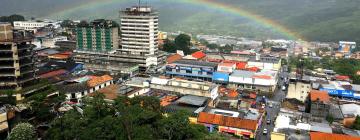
x: 211, y: 4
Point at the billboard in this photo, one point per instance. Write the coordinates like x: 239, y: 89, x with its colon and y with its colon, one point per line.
x: 340, y: 93
x: 346, y: 47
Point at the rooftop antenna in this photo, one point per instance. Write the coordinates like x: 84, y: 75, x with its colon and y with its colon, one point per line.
x: 139, y: 3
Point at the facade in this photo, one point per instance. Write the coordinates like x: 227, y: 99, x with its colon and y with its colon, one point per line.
x: 244, y: 128
x: 191, y: 69
x: 264, y: 81
x: 298, y: 90
x: 139, y: 30
x: 17, y: 65
x: 84, y: 86
x: 267, y: 63
x: 33, y: 25
x: 185, y: 87
x: 139, y: 43
x: 319, y: 103
x: 100, y: 35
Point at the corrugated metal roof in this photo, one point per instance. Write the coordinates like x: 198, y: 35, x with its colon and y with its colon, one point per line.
x: 192, y: 100
x: 196, y: 63
x: 242, y: 73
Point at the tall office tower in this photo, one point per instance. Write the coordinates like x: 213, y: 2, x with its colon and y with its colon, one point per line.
x: 17, y: 65
x: 139, y: 30
x: 98, y: 36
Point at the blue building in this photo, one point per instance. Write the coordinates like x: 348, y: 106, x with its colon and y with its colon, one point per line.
x: 191, y: 69
x: 220, y: 77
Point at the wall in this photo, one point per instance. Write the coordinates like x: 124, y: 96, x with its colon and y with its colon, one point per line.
x: 298, y: 91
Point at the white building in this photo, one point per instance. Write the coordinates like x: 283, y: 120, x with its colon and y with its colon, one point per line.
x: 299, y: 91
x: 34, y: 25
x: 139, y: 30
x: 260, y: 81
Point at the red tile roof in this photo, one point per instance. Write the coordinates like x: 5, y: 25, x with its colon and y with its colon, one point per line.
x: 53, y: 73
x: 198, y: 55
x: 262, y: 77
x: 254, y: 69
x: 321, y: 95
x: 330, y: 136
x: 227, y: 64
x: 233, y: 94
x: 342, y: 77
x: 98, y: 80
x: 241, y: 65
x: 173, y: 58
x: 227, y: 121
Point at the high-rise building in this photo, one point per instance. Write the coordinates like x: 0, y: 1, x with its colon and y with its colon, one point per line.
x: 17, y: 67
x: 99, y: 35
x: 139, y: 30
x: 139, y: 42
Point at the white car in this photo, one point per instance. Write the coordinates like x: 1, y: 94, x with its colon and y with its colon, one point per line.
x: 265, y: 131
x: 283, y: 88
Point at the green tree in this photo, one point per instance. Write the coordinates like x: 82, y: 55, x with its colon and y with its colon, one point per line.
x: 356, y: 124
x: 183, y: 42
x: 177, y: 126
x: 23, y: 131
x: 330, y: 118
x: 169, y: 46
x: 12, y: 18
x: 213, y: 46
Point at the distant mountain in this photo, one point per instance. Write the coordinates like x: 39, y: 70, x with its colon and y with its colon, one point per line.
x: 323, y: 20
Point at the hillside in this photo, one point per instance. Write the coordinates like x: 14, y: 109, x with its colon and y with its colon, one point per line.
x: 324, y: 20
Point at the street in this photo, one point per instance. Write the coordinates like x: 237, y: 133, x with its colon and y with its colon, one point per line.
x: 272, y: 111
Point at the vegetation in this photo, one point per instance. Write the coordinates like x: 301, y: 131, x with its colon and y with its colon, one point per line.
x: 181, y: 42
x: 356, y: 124
x: 12, y: 18
x: 23, y: 131
x: 226, y: 49
x: 330, y: 118
x: 135, y: 118
x: 347, y: 67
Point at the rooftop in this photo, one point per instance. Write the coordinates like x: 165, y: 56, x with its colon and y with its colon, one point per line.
x: 227, y: 121
x: 198, y: 55
x: 196, y: 63
x: 243, y: 73
x: 192, y: 100
x: 319, y: 95
x: 99, y: 80
x: 330, y: 136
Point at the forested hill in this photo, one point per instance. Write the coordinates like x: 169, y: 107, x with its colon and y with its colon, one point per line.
x: 323, y: 20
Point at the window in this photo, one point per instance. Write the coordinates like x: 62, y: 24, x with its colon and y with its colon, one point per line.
x: 200, y: 72
x: 209, y: 73
x: 188, y: 71
x: 177, y: 70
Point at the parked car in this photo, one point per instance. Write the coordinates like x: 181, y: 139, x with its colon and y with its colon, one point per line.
x: 283, y: 88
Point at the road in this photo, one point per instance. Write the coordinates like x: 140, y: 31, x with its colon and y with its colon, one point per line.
x: 272, y: 112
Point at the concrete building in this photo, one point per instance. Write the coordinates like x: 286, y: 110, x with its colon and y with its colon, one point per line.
x: 139, y: 43
x: 319, y: 103
x: 17, y: 65
x: 267, y: 63
x: 298, y: 90
x: 264, y: 81
x: 191, y: 69
x: 34, y: 25
x: 139, y: 30
x: 99, y: 35
x: 185, y: 87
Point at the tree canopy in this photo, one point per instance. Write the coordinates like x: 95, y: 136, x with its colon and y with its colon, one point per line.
x: 23, y: 131
x: 135, y: 118
x: 12, y: 18
x: 181, y: 42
